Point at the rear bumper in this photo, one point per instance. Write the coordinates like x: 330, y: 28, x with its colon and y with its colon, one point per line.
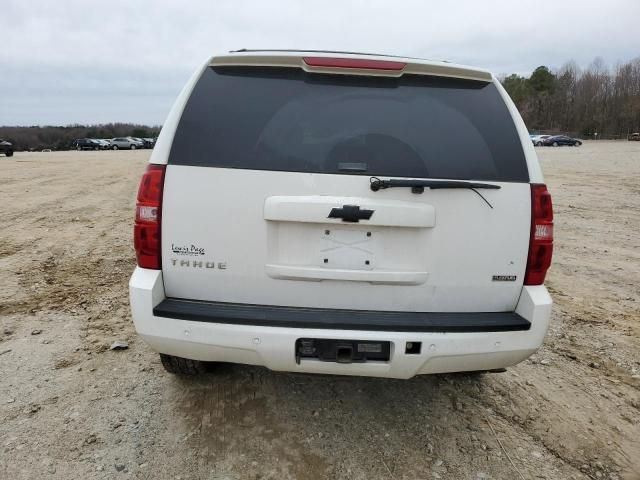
x: 238, y: 334
x: 333, y: 319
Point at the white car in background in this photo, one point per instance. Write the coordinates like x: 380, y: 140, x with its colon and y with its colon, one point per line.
x: 537, y: 139
x: 126, y: 143
x: 317, y: 212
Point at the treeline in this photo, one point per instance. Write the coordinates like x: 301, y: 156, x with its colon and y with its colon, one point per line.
x: 61, y: 138
x: 580, y: 102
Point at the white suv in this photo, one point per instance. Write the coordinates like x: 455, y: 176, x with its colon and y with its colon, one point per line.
x: 342, y: 213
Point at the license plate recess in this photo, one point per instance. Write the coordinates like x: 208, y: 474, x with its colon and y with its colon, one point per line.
x: 342, y: 351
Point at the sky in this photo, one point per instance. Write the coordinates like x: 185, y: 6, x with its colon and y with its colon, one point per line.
x: 68, y: 61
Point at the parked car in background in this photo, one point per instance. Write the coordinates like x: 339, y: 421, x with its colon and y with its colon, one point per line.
x: 6, y: 148
x: 126, y: 143
x: 149, y: 142
x: 348, y: 271
x: 537, y: 139
x: 104, y: 143
x: 85, y: 144
x: 634, y: 137
x: 145, y: 141
x: 561, y: 140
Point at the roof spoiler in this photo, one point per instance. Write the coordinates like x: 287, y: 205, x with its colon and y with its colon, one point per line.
x: 349, y: 64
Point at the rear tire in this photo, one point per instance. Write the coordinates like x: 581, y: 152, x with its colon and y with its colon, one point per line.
x: 555, y: 144
x: 181, y: 366
x: 9, y: 153
x: 115, y: 147
x: 577, y: 144
x: 133, y: 147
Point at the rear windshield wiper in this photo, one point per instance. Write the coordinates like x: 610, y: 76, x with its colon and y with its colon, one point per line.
x: 418, y: 186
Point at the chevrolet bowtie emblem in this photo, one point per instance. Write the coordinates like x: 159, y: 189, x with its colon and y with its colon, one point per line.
x: 350, y: 213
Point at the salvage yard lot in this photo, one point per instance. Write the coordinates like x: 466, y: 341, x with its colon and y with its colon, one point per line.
x: 72, y: 408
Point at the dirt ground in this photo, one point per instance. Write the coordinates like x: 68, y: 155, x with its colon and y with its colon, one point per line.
x: 72, y: 408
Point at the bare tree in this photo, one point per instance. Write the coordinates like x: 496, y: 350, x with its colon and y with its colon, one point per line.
x: 582, y: 102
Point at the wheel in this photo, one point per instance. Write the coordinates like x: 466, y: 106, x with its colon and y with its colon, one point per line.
x: 181, y: 366
x: 9, y: 153
x: 133, y: 147
x: 115, y: 147
x: 577, y: 144
x: 538, y: 144
x: 79, y: 149
x: 555, y: 144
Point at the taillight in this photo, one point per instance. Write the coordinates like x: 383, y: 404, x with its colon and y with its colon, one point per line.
x: 146, y: 230
x: 362, y: 63
x: 541, y: 241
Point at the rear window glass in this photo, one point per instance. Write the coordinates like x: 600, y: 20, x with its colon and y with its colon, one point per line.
x: 289, y: 120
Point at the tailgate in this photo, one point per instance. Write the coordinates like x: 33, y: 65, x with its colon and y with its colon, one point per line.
x: 271, y: 242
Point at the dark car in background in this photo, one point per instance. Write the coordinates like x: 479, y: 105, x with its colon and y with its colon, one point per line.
x: 6, y: 148
x: 149, y: 142
x: 561, y: 140
x: 86, y: 144
x: 634, y: 137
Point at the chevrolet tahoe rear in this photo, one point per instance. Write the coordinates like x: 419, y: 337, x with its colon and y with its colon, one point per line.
x: 342, y: 213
